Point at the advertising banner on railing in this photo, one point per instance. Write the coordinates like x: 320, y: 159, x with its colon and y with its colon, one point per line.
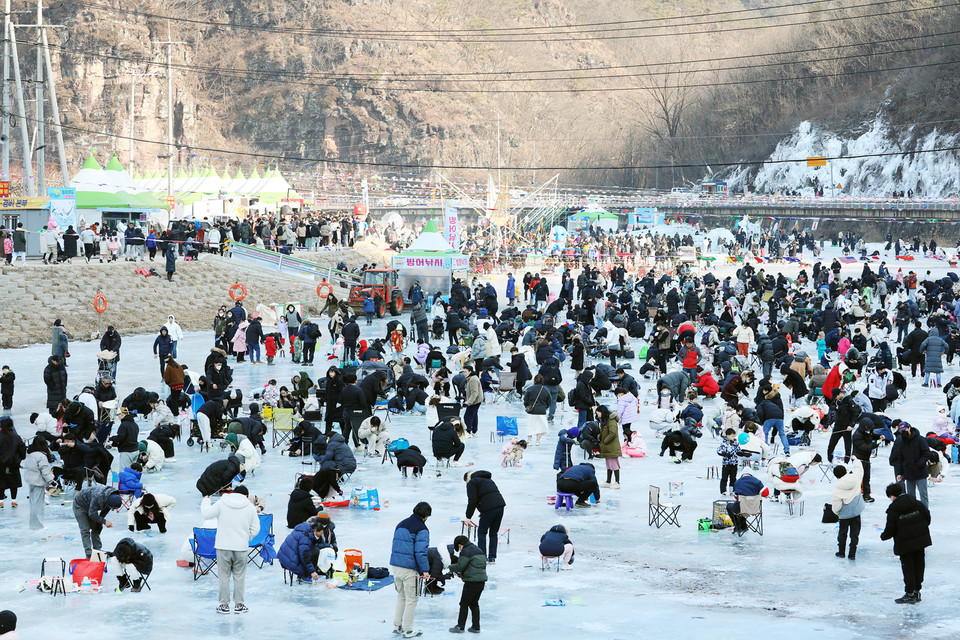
x: 451, y: 229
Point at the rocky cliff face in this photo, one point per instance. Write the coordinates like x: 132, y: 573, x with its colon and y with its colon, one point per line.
x: 284, y: 91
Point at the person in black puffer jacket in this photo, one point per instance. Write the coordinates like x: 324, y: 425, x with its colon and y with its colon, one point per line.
x: 446, y: 443
x: 908, y: 523
x: 136, y: 564
x: 127, y: 441
x: 301, y: 506
x: 55, y: 378
x: 81, y: 420
x: 411, y: 457
x: 163, y: 435
x: 219, y: 475
x: 484, y: 496
x: 909, y: 458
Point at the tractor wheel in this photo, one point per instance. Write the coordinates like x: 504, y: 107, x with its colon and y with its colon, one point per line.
x: 381, y: 309
x: 396, y: 307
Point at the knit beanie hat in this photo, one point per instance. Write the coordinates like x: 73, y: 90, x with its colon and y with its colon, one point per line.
x: 114, y: 501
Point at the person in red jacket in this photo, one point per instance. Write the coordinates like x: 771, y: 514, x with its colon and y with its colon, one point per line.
x: 270, y: 346
x: 838, y: 376
x: 689, y: 357
x: 706, y: 383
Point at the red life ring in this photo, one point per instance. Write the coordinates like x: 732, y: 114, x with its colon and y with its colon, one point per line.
x: 324, y: 290
x: 100, y: 303
x: 238, y: 292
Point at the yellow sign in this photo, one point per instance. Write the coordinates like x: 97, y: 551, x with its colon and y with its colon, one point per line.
x: 818, y: 161
x: 24, y: 203
x: 171, y: 202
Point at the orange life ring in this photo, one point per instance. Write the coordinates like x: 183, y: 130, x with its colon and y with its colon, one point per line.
x: 324, y: 290
x: 100, y: 303
x: 234, y: 295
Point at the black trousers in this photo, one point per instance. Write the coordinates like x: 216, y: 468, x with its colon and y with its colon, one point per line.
x: 144, y: 523
x: 912, y: 564
x: 308, y: 349
x: 865, y: 485
x: 728, y: 476
x: 580, y: 489
x: 470, y: 600
x: 8, y: 401
x: 835, y: 437
x: 851, y: 525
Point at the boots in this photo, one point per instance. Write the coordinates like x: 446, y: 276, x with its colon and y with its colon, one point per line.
x: 910, y: 597
x: 137, y: 585
x: 124, y: 582
x: 853, y: 552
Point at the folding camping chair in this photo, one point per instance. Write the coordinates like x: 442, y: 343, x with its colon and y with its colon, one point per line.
x: 204, y: 552
x: 751, y: 508
x: 448, y: 410
x: 282, y: 427
x: 506, y: 385
x: 262, y: 538
x: 661, y: 513
x: 126, y: 497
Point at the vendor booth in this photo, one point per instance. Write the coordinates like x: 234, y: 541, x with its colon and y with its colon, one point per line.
x: 34, y: 213
x: 432, y: 262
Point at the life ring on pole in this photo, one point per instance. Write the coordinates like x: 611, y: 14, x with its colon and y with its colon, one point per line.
x: 324, y: 290
x: 238, y: 292
x: 100, y: 303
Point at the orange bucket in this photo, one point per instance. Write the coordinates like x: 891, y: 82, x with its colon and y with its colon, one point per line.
x: 352, y: 557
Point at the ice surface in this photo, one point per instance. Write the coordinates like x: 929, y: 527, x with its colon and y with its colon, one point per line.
x: 628, y: 579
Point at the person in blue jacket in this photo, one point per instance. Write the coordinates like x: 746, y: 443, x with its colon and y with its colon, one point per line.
x: 369, y: 308
x: 563, y: 459
x: 128, y: 480
x: 300, y: 552
x: 162, y: 347
x: 556, y: 543
x: 580, y: 480
x: 511, y: 289
x: 339, y: 456
x: 408, y: 561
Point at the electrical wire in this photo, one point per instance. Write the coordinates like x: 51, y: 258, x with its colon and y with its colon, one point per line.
x: 277, y: 75
x: 531, y: 34
x: 367, y: 163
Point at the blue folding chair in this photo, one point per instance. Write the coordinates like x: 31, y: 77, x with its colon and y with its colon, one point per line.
x: 204, y: 552
x: 263, y: 538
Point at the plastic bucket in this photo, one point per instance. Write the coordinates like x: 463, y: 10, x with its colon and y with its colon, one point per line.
x: 352, y: 557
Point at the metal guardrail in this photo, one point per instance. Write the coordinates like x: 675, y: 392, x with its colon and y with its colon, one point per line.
x: 292, y: 265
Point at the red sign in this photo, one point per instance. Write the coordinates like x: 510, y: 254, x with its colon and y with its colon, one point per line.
x: 171, y: 202
x: 4, y: 189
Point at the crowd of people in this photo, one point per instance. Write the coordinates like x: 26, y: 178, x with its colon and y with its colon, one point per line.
x: 755, y: 363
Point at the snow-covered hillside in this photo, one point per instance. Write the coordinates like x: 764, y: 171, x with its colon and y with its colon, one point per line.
x: 935, y: 174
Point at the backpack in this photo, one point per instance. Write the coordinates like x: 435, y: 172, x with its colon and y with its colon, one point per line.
x: 313, y: 331
x: 572, y: 397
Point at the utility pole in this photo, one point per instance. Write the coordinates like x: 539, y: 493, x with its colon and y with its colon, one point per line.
x: 498, y: 149
x: 28, y: 184
x: 534, y: 181
x: 41, y: 123
x: 55, y: 107
x: 5, y: 128
x: 169, y: 44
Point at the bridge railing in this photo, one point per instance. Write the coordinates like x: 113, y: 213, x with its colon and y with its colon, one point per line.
x: 291, y: 265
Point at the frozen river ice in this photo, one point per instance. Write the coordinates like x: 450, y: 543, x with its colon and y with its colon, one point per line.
x: 628, y: 579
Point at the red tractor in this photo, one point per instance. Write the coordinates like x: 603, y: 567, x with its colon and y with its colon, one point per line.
x: 382, y: 285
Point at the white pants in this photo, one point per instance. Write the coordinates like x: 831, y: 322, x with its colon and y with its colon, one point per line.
x: 126, y: 569
x: 203, y: 423
x: 376, y: 442
x: 19, y: 254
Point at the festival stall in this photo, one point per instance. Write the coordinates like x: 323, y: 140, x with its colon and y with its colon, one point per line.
x: 431, y: 261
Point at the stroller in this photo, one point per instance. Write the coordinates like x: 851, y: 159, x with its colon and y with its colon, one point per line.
x: 105, y: 365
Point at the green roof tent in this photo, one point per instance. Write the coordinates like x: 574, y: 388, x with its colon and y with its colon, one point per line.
x: 430, y: 260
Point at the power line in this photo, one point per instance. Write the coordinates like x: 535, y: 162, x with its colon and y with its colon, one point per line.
x: 278, y: 74
x: 560, y: 37
x: 484, y: 30
x: 268, y: 78
x: 363, y: 163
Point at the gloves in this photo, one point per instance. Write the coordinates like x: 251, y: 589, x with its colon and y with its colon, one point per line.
x: 130, y: 527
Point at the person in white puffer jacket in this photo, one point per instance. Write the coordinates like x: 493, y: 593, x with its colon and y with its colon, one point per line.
x: 237, y: 524
x: 153, y: 453
x: 176, y: 334
x: 374, y: 431
x: 245, y: 451
x: 847, y: 503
